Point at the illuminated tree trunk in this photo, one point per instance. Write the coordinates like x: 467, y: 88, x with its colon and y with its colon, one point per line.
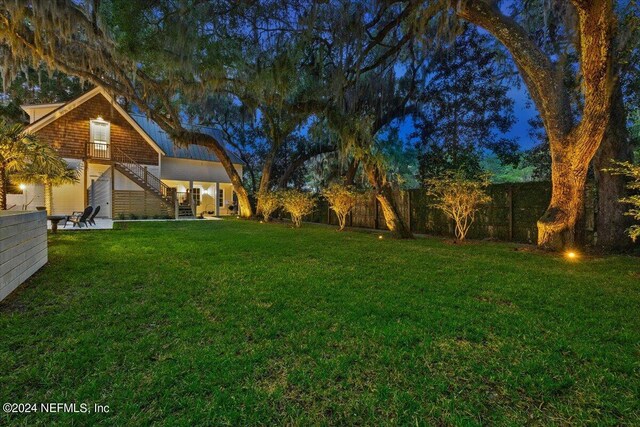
x: 244, y: 203
x: 384, y: 195
x: 572, y: 145
x: 556, y: 228
x: 267, y: 167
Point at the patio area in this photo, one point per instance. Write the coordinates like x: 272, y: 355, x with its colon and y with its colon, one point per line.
x: 101, y: 224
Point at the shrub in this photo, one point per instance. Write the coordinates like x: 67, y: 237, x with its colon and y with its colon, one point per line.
x: 632, y: 171
x: 342, y: 199
x: 459, y: 198
x: 268, y: 202
x: 298, y: 204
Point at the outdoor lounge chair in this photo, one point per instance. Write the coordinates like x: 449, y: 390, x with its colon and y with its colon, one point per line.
x: 90, y: 220
x: 79, y: 218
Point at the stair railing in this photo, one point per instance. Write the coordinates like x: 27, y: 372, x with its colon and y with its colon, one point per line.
x: 141, y: 172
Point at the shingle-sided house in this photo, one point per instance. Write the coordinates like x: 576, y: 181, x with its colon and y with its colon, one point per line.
x: 128, y: 165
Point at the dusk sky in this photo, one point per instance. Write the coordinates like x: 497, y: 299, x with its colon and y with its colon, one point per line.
x: 523, y: 111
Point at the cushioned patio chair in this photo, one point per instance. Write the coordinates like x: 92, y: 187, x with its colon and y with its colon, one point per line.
x: 79, y: 218
x: 90, y: 220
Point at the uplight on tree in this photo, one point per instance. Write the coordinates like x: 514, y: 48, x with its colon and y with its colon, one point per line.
x: 571, y: 255
x: 268, y: 203
x: 342, y: 199
x: 298, y: 204
x: 459, y: 198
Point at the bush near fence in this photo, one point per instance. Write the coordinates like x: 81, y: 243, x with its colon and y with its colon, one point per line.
x: 510, y: 216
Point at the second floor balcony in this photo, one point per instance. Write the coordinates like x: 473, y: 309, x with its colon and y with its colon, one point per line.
x: 98, y: 150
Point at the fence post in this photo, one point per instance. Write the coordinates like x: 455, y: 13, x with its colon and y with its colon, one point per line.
x: 510, y: 198
x: 375, y: 222
x: 409, y: 209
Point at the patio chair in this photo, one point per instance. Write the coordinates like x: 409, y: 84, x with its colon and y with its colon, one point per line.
x: 90, y: 220
x: 79, y: 218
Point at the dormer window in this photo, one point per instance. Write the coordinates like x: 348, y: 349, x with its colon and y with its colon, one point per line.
x: 100, y: 134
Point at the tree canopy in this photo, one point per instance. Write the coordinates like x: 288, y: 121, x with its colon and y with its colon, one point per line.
x: 267, y: 71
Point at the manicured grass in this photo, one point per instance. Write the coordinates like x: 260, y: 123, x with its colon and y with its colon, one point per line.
x: 233, y: 322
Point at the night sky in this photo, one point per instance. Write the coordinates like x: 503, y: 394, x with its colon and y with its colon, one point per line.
x: 523, y: 110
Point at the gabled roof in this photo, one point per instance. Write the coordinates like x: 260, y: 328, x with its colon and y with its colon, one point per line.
x: 193, y: 152
x: 75, y: 103
x: 148, y: 129
x: 25, y: 107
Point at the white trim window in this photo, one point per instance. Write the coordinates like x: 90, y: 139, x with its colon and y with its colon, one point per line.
x: 196, y: 194
x: 100, y: 131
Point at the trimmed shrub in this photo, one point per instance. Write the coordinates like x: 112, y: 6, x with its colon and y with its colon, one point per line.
x: 298, y: 204
x: 268, y: 203
x: 342, y: 199
x: 459, y: 198
x: 633, y: 172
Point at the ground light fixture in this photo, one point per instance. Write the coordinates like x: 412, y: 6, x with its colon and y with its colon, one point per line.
x: 380, y: 237
x: 571, y: 255
x: 22, y: 187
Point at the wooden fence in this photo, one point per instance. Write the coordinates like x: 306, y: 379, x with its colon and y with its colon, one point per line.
x: 510, y: 216
x: 139, y: 203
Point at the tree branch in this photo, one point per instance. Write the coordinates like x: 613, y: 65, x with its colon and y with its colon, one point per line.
x: 536, y: 68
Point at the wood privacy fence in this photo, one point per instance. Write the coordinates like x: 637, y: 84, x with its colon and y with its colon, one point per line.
x: 510, y: 216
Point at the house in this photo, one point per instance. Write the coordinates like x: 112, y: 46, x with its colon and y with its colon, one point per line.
x: 129, y: 166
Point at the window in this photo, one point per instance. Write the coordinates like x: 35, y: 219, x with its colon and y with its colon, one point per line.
x: 221, y: 198
x: 100, y: 134
x: 196, y: 196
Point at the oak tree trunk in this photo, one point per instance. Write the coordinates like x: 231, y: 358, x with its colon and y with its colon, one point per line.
x: 245, y: 210
x: 611, y: 223
x: 244, y: 203
x: 267, y: 167
x: 572, y: 145
x: 351, y: 172
x: 557, y: 227
x: 384, y: 195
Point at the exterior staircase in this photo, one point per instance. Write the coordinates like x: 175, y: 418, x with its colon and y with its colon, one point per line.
x: 185, y: 211
x: 149, y: 182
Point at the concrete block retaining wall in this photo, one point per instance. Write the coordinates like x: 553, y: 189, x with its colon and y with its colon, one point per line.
x: 23, y: 247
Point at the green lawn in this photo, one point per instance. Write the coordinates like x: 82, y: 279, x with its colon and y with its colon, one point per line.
x: 233, y: 322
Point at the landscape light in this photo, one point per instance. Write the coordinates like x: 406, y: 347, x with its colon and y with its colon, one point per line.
x: 571, y: 255
x: 380, y: 237
x: 22, y: 187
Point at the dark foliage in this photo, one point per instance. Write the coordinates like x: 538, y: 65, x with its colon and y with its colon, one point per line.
x: 465, y: 108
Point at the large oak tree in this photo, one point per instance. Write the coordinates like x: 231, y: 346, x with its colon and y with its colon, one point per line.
x: 573, y: 142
